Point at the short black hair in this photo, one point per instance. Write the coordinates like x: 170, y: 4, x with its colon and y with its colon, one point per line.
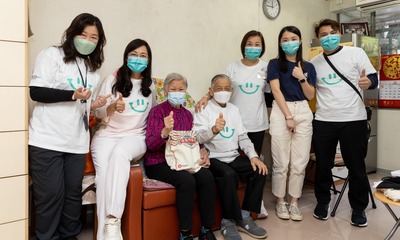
x: 327, y: 22
x: 252, y: 33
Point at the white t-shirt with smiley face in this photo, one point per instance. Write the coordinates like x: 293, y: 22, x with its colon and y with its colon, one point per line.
x: 59, y: 126
x: 249, y: 84
x: 336, y: 100
x: 225, y: 145
x: 132, y: 121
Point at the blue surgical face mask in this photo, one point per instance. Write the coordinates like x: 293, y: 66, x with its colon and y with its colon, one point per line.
x: 330, y: 42
x: 252, y: 53
x: 176, y: 98
x: 290, y: 48
x: 137, y: 64
x: 83, y: 46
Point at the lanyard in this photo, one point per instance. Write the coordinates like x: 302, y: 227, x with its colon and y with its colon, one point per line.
x: 84, y: 81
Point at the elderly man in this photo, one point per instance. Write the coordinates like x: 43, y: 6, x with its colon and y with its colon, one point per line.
x: 221, y: 130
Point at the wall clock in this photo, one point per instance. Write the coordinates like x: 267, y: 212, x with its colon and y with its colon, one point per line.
x: 271, y: 8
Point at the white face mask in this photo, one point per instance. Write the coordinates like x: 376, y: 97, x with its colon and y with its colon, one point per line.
x: 222, y: 97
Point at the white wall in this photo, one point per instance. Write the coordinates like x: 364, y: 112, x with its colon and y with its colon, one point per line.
x: 13, y: 123
x: 195, y: 38
x: 388, y: 139
x: 192, y: 37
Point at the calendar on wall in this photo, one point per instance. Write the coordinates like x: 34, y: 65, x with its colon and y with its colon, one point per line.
x: 389, y: 87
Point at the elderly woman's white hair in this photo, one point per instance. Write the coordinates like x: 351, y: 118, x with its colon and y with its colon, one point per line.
x: 174, y: 76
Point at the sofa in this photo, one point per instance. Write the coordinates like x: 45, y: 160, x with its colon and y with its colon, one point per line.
x: 151, y: 213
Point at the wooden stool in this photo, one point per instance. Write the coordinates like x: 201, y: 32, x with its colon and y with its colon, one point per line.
x: 386, y: 201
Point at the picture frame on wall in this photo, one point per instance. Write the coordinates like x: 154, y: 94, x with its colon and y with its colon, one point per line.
x: 355, y: 27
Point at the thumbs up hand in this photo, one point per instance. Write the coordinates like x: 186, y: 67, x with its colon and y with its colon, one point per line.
x: 169, y: 122
x: 219, y: 124
x: 100, y: 101
x: 364, y: 81
x: 298, y: 72
x: 119, y: 104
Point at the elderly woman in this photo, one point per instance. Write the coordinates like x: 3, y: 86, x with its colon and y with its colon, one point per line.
x: 163, y: 118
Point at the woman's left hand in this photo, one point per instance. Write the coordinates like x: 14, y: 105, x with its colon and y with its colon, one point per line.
x: 205, y: 161
x: 291, y: 125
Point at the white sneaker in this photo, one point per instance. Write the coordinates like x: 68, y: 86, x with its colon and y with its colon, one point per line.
x: 281, y: 211
x: 112, y: 229
x: 295, y: 213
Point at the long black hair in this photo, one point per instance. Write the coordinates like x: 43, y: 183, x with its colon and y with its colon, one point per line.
x: 282, y: 55
x: 96, y: 58
x: 123, y: 82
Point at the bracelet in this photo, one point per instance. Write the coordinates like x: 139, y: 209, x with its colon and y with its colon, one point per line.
x: 289, y: 117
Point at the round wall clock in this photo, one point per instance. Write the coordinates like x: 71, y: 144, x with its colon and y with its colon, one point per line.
x: 271, y: 8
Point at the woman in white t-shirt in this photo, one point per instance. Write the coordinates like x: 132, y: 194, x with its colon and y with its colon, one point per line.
x: 248, y: 82
x: 121, y: 137
x: 62, y: 82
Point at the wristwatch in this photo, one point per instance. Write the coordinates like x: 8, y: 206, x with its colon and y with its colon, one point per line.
x: 208, y: 151
x: 302, y: 80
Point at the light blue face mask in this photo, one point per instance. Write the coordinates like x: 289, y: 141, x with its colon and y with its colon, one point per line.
x: 83, y: 46
x: 137, y: 64
x: 176, y: 98
x: 252, y: 53
x: 290, y: 48
x: 330, y: 42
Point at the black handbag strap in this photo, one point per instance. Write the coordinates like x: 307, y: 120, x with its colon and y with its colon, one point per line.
x: 341, y: 76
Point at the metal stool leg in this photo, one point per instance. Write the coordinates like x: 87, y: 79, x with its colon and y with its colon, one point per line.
x: 335, y: 191
x: 340, y: 196
x: 393, y: 230
x: 372, y: 197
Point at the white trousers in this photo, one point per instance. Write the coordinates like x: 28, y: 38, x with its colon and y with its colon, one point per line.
x: 290, y: 151
x: 111, y: 157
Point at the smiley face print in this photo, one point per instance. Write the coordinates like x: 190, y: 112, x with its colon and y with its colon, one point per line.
x: 139, y: 105
x: 226, y: 133
x: 331, y: 79
x: 249, y: 88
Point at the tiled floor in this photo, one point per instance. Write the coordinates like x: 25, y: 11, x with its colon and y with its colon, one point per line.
x: 335, y: 228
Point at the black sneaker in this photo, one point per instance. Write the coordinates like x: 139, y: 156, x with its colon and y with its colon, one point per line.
x: 358, y: 218
x: 206, y: 234
x: 321, y: 211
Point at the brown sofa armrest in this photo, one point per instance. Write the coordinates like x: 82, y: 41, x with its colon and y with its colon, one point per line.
x: 131, y: 223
